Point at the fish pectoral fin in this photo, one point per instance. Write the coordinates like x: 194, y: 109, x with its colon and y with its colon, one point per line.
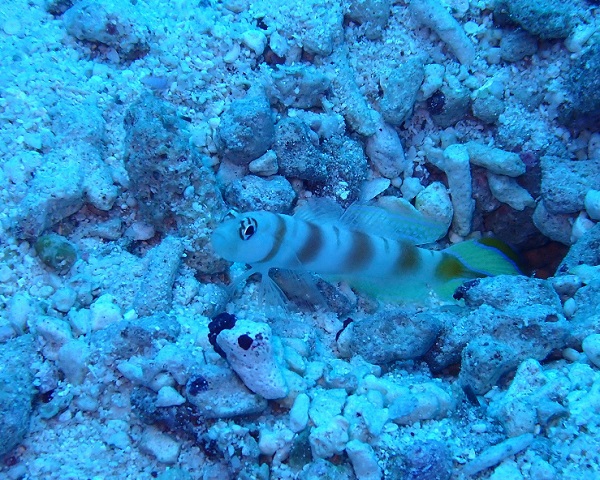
x: 299, y: 288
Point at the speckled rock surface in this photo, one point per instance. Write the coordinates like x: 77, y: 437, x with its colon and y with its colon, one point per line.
x: 125, y: 339
x: 400, y: 90
x: 586, y: 318
x: 583, y: 102
x: 553, y: 19
x: 246, y: 130
x: 217, y: 392
x: 585, y: 251
x: 301, y: 155
x: 299, y: 87
x: 565, y: 183
x: 162, y: 264
x: 112, y: 24
x: 422, y: 459
x: 274, y: 194
x: 516, y: 45
x: 400, y: 337
x: 16, y: 381
x: 372, y: 15
x: 166, y: 194
x: 500, y: 331
x: 487, y: 358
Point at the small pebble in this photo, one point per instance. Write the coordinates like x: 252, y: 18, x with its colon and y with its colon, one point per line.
x: 169, y: 397
x: 104, y: 312
x: 479, y: 427
x: 63, y: 299
x: 571, y: 354
x: 160, y: 445
x: 569, y: 307
x: 5, y: 273
x: 255, y: 40
x: 12, y: 26
x: 591, y: 347
x: 299, y: 413
x: 592, y: 204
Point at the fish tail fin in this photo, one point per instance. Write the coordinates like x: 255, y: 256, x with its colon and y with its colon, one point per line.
x: 485, y: 257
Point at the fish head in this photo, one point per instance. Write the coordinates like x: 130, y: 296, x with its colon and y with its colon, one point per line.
x: 247, y: 238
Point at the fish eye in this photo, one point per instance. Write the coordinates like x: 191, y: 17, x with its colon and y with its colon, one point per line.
x: 248, y: 228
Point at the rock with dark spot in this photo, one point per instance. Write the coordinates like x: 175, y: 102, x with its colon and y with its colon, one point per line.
x: 245, y: 341
x: 456, y: 105
x: 113, y: 24
x: 223, y: 321
x: 197, y: 385
x: 436, y: 103
x: 223, y: 396
x: 180, y: 418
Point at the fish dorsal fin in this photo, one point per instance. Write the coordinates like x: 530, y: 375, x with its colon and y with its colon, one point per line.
x: 393, y: 219
x: 319, y: 211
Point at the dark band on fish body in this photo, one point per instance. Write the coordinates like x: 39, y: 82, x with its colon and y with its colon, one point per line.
x: 279, y: 236
x: 451, y: 267
x: 408, y: 257
x: 361, y: 251
x: 312, y: 245
x: 386, y: 245
x: 336, y: 231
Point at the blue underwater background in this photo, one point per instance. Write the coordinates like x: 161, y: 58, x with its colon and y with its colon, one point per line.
x: 130, y: 129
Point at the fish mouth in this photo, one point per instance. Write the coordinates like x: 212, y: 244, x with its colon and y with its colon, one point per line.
x: 219, y: 243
